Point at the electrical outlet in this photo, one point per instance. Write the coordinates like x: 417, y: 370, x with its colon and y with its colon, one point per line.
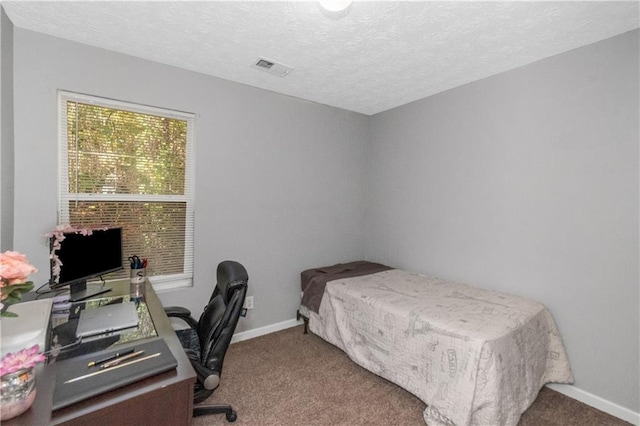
x: 248, y: 302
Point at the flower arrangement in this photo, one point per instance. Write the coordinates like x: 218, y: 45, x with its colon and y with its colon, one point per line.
x: 14, y: 273
x: 18, y: 377
x: 25, y: 358
x: 57, y: 236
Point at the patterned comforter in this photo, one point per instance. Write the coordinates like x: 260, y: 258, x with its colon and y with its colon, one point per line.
x: 475, y: 357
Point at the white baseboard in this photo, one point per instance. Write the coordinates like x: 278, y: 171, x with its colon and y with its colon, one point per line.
x: 568, y: 390
x: 256, y: 332
x: 597, y: 402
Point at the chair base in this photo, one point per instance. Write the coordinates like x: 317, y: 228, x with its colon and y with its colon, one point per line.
x: 203, y: 410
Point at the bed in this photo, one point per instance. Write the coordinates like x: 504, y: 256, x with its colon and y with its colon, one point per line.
x: 474, y: 356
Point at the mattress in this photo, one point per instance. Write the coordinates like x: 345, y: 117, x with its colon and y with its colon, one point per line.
x: 474, y: 356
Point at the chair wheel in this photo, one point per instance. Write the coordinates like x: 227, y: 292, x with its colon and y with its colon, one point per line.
x: 232, y: 416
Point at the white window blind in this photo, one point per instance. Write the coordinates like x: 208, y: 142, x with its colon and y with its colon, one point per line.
x: 131, y: 166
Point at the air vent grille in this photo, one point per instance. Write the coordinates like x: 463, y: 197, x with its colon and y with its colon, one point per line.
x: 272, y: 67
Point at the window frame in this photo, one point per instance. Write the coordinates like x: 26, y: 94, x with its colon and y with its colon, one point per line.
x: 163, y: 282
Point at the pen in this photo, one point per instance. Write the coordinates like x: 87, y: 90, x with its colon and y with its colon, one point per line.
x: 120, y: 359
x: 95, y: 373
x: 110, y: 358
x: 136, y: 263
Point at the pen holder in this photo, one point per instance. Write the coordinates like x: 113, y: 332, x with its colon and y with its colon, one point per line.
x: 138, y: 275
x: 138, y: 279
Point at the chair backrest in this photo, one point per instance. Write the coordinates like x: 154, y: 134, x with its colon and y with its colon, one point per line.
x: 220, y: 317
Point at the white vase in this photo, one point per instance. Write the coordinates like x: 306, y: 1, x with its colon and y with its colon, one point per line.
x: 18, y: 392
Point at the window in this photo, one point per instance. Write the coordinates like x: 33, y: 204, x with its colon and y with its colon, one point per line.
x: 131, y: 166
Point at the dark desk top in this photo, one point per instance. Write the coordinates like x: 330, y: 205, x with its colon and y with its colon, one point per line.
x: 63, y: 343
x: 40, y: 412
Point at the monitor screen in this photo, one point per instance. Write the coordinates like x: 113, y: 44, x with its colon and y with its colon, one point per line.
x: 87, y: 256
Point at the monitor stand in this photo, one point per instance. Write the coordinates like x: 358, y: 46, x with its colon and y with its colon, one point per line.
x: 82, y: 291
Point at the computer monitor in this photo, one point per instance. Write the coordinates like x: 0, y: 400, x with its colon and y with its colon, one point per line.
x: 82, y: 257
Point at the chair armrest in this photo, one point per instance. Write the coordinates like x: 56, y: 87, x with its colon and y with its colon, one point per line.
x: 181, y: 313
x: 177, y: 311
x: 207, y: 377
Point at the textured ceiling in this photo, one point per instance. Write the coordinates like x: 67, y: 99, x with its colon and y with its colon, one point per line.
x: 377, y: 56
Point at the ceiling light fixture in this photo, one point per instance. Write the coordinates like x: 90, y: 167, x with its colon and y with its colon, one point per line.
x: 335, y: 5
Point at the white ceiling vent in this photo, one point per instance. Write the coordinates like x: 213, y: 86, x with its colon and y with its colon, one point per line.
x: 272, y: 67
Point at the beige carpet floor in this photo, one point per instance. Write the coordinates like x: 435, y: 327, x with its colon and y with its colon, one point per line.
x: 289, y: 378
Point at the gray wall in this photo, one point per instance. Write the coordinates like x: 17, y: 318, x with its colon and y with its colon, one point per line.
x: 6, y: 132
x: 279, y: 181
x: 526, y: 182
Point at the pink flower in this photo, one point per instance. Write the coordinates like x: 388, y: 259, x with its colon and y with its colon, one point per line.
x: 14, y: 275
x: 26, y: 358
x: 14, y: 268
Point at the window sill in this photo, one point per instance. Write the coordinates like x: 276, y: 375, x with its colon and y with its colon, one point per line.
x: 161, y: 285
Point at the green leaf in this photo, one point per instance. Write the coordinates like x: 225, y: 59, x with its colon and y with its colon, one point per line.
x: 13, y: 293
x: 22, y: 288
x: 12, y: 298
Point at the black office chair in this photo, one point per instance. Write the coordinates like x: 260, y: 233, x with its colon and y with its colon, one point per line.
x: 207, y: 340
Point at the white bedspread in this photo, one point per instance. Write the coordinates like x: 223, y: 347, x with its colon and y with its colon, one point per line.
x: 475, y: 357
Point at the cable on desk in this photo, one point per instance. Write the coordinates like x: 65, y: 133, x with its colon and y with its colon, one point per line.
x: 39, y: 291
x: 53, y: 353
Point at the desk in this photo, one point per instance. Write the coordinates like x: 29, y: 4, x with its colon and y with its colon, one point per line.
x: 164, y: 399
